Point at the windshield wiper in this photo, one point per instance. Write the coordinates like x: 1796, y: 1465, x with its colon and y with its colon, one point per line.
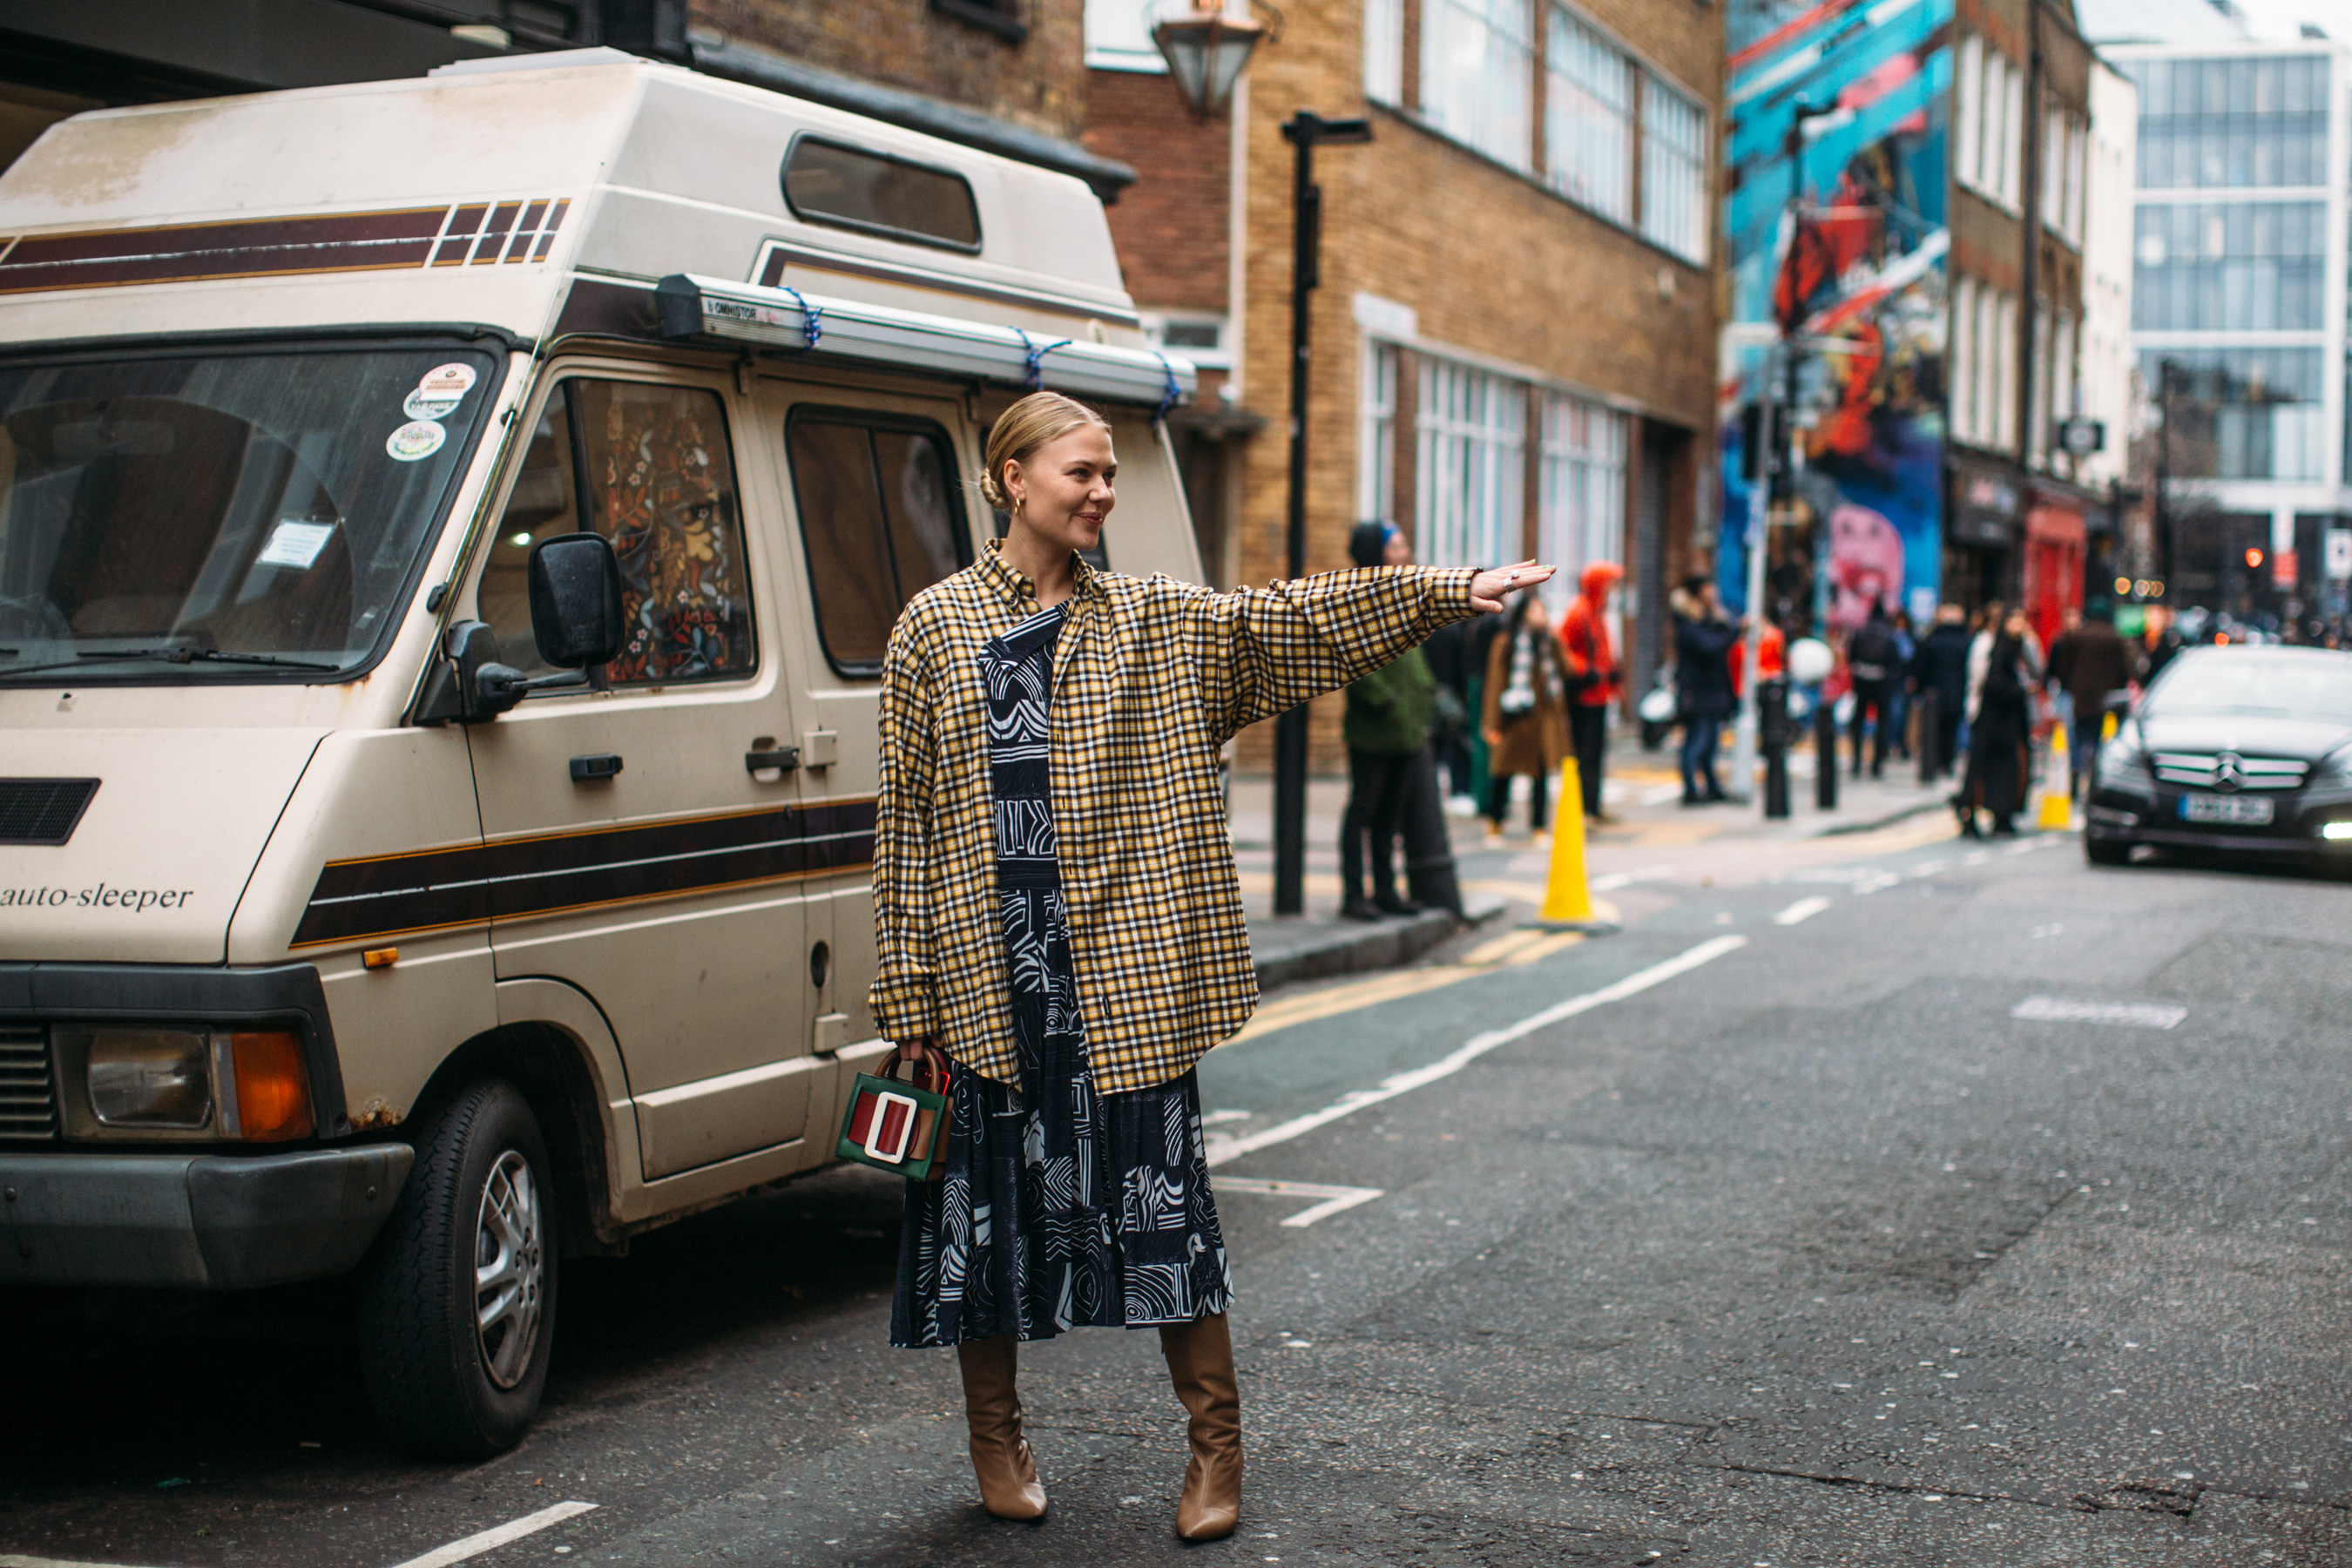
x: 172, y: 656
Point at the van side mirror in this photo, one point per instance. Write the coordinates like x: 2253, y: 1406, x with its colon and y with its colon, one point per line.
x: 575, y: 600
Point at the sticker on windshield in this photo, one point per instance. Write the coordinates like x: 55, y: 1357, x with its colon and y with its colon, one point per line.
x: 446, y: 380
x: 422, y: 405
x: 295, y: 541
x: 416, y: 440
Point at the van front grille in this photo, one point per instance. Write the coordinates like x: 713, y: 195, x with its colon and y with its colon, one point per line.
x: 42, y: 811
x: 28, y: 1101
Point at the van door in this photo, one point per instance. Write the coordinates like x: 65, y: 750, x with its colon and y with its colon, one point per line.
x: 642, y: 852
x: 875, y: 484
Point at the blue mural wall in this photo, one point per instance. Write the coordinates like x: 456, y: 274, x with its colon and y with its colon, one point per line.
x: 1861, y: 275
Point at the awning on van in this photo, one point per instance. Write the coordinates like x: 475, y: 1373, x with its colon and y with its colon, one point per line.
x: 789, y: 322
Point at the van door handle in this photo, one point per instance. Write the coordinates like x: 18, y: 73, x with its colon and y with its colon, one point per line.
x: 785, y: 757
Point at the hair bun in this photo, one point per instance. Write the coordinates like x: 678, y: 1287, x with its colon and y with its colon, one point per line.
x: 993, y: 494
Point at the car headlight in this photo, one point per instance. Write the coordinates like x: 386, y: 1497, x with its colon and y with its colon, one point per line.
x: 252, y: 1084
x: 2122, y: 753
x: 151, y: 1078
x: 2336, y: 768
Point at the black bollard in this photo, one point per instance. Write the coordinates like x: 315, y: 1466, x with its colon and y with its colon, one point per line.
x: 1825, y: 750
x: 1772, y: 714
x: 1930, y: 764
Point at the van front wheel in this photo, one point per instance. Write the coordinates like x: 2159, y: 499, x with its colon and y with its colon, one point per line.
x: 457, y: 1298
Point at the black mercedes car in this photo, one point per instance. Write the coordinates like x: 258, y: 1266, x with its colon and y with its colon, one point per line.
x: 2244, y: 750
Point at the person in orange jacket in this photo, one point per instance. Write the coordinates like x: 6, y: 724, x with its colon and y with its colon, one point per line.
x: 1771, y: 657
x: 1594, y: 678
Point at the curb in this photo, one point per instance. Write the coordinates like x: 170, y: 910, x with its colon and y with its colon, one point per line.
x: 1384, y: 946
x: 1889, y: 820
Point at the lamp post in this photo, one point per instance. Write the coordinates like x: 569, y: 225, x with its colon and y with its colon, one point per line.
x: 1206, y: 51
x: 1302, y: 131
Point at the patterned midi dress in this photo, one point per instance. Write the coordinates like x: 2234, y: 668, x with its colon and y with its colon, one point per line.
x: 1061, y: 1207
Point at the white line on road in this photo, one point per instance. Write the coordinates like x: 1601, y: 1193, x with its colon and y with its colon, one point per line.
x: 14, y: 1560
x: 1335, y: 1198
x: 1610, y: 881
x: 1223, y: 1149
x: 2134, y: 1015
x: 513, y: 1530
x: 1803, y: 910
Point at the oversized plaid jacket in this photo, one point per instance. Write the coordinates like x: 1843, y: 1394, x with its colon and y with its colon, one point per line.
x: 1150, y: 678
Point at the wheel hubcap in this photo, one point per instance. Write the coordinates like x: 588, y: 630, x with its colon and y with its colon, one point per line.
x: 509, y: 1268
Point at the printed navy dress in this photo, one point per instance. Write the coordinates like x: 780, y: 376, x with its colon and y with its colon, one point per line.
x: 1060, y: 1207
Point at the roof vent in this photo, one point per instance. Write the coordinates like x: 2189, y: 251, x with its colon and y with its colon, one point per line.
x: 42, y: 811
x: 553, y: 59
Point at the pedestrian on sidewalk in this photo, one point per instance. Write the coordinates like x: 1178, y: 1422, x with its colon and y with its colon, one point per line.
x: 1898, y: 695
x: 1448, y: 651
x: 1387, y: 723
x: 1941, y: 667
x: 1875, y: 661
x: 1074, y: 1189
x: 1703, y: 642
x: 2097, y: 663
x: 2000, y: 723
x: 1526, y: 721
x: 1594, y: 679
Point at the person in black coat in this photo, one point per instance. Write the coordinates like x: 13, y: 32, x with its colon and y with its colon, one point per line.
x: 1703, y: 644
x: 1448, y: 652
x: 2000, y: 733
x: 1941, y: 667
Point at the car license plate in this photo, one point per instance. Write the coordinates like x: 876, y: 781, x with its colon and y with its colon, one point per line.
x: 2236, y: 809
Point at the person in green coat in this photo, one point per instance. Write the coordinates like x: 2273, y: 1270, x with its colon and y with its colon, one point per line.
x: 1389, y: 713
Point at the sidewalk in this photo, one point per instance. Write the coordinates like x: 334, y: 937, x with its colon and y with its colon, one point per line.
x: 1651, y: 837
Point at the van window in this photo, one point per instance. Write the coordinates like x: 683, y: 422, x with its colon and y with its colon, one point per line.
x: 655, y: 467
x: 223, y: 514
x: 880, y: 520
x: 850, y: 187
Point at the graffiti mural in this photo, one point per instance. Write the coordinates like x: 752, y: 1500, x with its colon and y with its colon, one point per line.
x: 1854, y: 273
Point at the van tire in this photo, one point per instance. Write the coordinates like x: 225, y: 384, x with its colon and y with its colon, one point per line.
x: 443, y: 1385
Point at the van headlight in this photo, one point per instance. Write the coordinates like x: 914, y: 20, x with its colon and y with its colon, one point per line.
x: 151, y: 1078
x: 248, y: 1083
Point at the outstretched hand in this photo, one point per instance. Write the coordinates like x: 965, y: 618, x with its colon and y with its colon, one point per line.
x: 1488, y: 588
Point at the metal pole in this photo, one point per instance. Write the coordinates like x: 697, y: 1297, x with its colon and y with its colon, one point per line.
x: 1290, y: 729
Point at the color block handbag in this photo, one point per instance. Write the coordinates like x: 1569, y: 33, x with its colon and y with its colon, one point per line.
x: 901, y: 1127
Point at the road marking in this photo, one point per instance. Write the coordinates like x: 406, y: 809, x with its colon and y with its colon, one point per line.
x: 513, y: 1530
x: 1223, y: 1149
x: 1802, y: 911
x: 1337, y: 999
x: 1610, y: 881
x: 2133, y: 1015
x: 12, y: 1559
x: 1335, y: 1198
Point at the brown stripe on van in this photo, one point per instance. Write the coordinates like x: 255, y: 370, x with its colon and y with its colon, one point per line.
x: 494, y: 235
x: 459, y: 242
x: 179, y: 253
x: 546, y: 874
x: 554, y: 222
x: 526, y: 232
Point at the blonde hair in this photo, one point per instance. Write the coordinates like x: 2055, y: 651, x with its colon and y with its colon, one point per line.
x: 1020, y: 430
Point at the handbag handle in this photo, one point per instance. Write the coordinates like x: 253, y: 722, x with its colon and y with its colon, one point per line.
x: 933, y: 1063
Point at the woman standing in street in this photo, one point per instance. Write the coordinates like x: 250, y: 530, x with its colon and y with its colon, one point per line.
x: 1526, y: 717
x: 2000, y: 726
x: 1056, y: 908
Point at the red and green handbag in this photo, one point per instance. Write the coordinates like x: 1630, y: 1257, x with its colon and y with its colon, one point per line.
x: 901, y: 1127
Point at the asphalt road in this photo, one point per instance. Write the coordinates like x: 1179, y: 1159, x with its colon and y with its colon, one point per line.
x: 1764, y: 1232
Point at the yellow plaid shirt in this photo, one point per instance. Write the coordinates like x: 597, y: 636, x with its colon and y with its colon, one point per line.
x: 1150, y: 677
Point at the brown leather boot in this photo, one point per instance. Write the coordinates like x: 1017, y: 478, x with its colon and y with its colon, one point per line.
x: 1200, y: 1362
x: 1000, y: 1455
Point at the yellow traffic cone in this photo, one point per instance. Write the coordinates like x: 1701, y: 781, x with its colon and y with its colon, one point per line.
x: 2057, y: 784
x: 1567, y: 902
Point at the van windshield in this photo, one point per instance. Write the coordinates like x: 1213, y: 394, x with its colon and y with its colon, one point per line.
x: 223, y: 514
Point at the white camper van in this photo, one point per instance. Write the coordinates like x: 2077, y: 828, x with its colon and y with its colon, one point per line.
x: 448, y: 530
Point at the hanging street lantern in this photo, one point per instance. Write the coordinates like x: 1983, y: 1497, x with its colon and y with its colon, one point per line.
x: 1206, y: 50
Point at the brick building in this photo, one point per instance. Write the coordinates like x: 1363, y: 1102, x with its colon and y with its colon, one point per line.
x: 1513, y: 336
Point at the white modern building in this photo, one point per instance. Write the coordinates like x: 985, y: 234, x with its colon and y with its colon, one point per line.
x: 2105, y: 385
x: 2239, y: 298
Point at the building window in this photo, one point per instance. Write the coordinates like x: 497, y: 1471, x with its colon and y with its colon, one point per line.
x: 2042, y: 408
x: 1674, y: 171
x: 1581, y: 491
x: 1967, y: 112
x: 2242, y: 414
x: 1960, y: 364
x: 1988, y: 357
x: 2005, y: 383
x: 2237, y: 122
x: 1588, y: 118
x: 1376, y: 433
x: 1197, y: 335
x: 1002, y: 17
x: 2012, y: 137
x: 1119, y: 37
x: 1383, y: 50
x: 2228, y: 267
x: 1471, y: 452
x: 1477, y: 75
